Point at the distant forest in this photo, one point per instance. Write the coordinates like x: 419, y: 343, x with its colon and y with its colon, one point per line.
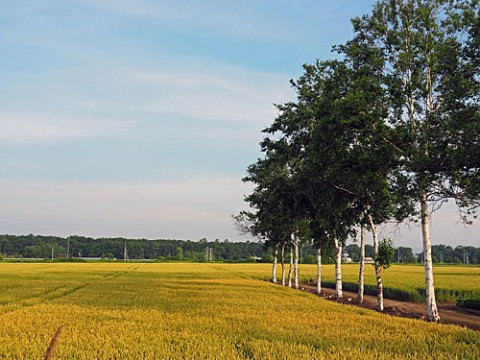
x: 38, y: 246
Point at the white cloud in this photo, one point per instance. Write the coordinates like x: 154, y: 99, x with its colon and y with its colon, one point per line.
x: 245, y: 19
x: 190, y: 208
x: 223, y: 94
x: 213, y: 100
x: 24, y: 128
x: 135, y: 8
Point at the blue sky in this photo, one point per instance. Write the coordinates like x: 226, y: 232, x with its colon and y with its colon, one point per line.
x: 139, y: 118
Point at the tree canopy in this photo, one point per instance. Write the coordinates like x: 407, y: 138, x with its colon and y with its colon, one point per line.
x: 383, y: 132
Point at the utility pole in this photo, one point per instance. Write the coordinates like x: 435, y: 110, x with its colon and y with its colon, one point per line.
x: 125, y: 252
x: 52, y: 252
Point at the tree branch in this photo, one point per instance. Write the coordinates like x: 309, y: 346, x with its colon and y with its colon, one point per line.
x: 342, y: 189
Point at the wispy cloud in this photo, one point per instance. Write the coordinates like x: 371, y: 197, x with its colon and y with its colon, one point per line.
x: 143, y: 8
x: 291, y: 23
x: 24, y: 128
x: 245, y: 19
x: 226, y: 95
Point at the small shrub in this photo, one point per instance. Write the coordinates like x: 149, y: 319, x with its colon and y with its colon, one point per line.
x: 469, y: 301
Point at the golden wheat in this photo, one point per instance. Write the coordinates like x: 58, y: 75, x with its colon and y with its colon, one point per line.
x: 198, y: 311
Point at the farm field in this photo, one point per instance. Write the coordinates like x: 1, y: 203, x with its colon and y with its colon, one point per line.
x: 201, y: 311
x: 450, y: 281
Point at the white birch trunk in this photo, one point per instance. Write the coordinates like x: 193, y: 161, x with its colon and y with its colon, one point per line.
x: 432, y: 310
x: 290, y: 268
x: 283, y: 263
x: 361, y: 275
x: 274, y: 267
x: 338, y: 270
x: 296, y: 283
x: 378, y: 269
x: 319, y: 270
x: 378, y: 273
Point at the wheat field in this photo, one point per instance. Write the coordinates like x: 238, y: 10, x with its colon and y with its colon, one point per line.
x: 199, y: 311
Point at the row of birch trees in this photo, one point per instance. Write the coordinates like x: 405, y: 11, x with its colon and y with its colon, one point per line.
x: 385, y: 131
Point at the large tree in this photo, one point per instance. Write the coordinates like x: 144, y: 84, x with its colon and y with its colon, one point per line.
x: 270, y: 216
x: 428, y: 53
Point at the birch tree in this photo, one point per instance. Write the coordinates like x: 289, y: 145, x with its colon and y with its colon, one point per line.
x: 274, y: 266
x: 320, y: 243
x: 282, y: 261
x: 352, y: 157
x: 290, y: 268
x: 319, y: 270
x: 383, y: 259
x: 361, y: 274
x: 430, y: 70
x: 296, y: 274
x: 278, y: 214
x: 268, y: 218
x: 378, y: 267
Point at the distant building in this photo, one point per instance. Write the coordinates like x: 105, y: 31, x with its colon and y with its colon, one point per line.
x: 346, y: 258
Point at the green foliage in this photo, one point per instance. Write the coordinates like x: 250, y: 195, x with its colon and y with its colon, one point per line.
x: 459, y: 254
x: 385, y: 255
x: 38, y: 246
x: 388, y: 292
x: 404, y: 255
x: 469, y: 301
x: 354, y: 251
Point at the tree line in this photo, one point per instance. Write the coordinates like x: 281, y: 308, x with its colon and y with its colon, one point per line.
x: 38, y: 246
x: 386, y: 131
x: 445, y: 254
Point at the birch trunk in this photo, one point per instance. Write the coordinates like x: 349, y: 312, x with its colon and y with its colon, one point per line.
x: 296, y: 262
x: 432, y: 310
x: 319, y: 270
x: 338, y: 270
x: 378, y: 273
x: 290, y: 268
x: 274, y: 267
x: 361, y: 275
x: 378, y: 269
x: 283, y: 263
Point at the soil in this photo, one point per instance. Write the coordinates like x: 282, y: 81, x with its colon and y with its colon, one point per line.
x: 450, y: 313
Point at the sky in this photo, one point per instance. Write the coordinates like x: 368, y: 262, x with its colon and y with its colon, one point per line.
x: 138, y: 118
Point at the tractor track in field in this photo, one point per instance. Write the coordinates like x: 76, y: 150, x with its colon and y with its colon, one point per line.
x: 450, y: 313
x: 57, y: 292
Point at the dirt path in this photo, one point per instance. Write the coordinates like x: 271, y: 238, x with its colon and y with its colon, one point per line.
x: 450, y: 313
